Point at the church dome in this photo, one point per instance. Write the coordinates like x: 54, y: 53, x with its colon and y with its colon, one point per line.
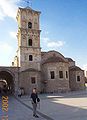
x: 54, y: 59
x: 75, y: 68
x: 70, y: 59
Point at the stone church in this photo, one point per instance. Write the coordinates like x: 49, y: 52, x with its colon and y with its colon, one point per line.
x: 49, y: 72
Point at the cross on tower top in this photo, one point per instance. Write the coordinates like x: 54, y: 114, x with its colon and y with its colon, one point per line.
x: 29, y: 2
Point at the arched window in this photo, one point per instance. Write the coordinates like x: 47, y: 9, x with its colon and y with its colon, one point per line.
x: 60, y: 74
x: 33, y: 80
x: 30, y: 58
x: 29, y: 25
x: 30, y: 42
x: 78, y: 78
x: 52, y: 73
x: 66, y: 74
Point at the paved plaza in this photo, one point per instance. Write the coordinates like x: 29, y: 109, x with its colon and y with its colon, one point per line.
x: 69, y: 106
x: 17, y: 111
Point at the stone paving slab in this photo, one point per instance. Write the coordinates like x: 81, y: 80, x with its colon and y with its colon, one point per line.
x: 72, y: 106
x: 18, y: 111
x: 57, y: 95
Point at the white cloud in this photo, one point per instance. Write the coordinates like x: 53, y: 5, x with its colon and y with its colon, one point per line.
x: 85, y: 67
x: 1, y: 15
x: 8, y: 8
x: 5, y: 48
x: 46, y: 39
x: 53, y: 44
x: 6, y: 52
x: 13, y: 34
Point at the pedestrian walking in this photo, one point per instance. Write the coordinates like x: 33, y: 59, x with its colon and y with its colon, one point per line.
x: 19, y: 92
x: 34, y: 100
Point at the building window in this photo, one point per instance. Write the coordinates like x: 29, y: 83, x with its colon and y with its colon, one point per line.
x: 30, y: 42
x: 66, y: 74
x: 30, y: 58
x: 29, y: 25
x: 61, y: 74
x: 78, y: 78
x: 33, y: 80
x: 52, y: 74
x: 86, y: 73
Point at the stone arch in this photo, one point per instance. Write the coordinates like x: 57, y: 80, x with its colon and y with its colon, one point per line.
x: 9, y: 77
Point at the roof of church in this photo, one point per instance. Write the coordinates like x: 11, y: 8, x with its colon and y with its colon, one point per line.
x: 51, y: 51
x: 54, y: 59
x: 43, y: 53
x: 31, y: 69
x: 70, y: 59
x: 75, y: 68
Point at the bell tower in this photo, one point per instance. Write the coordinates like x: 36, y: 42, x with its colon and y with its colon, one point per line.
x: 29, y: 51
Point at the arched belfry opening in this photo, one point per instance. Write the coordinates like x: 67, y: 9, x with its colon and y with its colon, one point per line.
x: 6, y: 82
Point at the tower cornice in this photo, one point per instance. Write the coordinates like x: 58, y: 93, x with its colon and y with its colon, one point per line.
x: 28, y: 30
x: 26, y: 9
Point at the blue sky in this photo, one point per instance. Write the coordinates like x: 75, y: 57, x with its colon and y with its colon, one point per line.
x: 63, y: 24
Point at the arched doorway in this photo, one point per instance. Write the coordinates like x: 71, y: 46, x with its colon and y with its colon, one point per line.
x: 6, y: 82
